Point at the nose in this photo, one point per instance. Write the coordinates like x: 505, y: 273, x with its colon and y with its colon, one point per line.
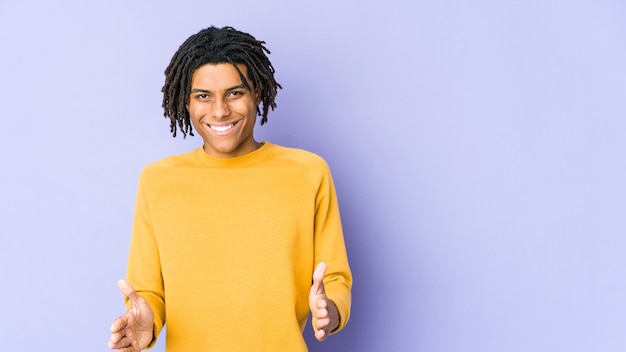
x: 220, y: 109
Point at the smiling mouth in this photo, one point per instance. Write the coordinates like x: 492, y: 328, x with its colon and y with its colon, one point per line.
x: 223, y: 128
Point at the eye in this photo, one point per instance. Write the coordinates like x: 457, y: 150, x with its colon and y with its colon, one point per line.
x: 236, y: 93
x: 203, y: 96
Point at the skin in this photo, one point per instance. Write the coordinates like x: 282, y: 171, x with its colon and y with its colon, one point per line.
x: 218, y: 98
x: 323, y: 310
x: 132, y: 331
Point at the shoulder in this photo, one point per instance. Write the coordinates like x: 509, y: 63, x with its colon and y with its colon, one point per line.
x: 161, y: 168
x: 304, y: 158
x: 313, y: 166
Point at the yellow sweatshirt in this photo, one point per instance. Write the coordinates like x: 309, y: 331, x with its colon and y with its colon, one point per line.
x: 224, y: 249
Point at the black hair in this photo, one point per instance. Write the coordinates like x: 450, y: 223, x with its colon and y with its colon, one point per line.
x: 216, y: 46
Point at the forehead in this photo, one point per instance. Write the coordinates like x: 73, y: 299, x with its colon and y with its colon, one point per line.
x: 217, y: 75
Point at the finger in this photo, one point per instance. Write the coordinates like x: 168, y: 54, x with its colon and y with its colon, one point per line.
x: 321, y: 335
x: 127, y: 290
x: 120, y: 345
x: 115, y: 340
x: 116, y: 336
x: 114, y: 343
x: 321, y: 314
x: 318, y: 278
x: 322, y: 323
x: 119, y: 324
x: 321, y: 304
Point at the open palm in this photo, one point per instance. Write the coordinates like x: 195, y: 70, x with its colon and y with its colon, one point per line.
x: 132, y: 331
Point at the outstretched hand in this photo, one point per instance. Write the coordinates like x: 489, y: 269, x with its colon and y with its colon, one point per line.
x: 323, y: 311
x: 132, y: 331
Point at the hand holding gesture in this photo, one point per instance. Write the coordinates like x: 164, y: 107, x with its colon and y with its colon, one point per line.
x: 132, y: 331
x: 323, y: 310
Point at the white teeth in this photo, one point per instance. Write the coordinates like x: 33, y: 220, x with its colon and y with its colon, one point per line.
x: 222, y: 128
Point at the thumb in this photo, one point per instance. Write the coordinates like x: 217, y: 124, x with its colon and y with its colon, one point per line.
x: 318, y: 278
x: 127, y: 290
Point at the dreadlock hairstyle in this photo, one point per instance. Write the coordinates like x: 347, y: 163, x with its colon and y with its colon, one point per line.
x: 216, y: 46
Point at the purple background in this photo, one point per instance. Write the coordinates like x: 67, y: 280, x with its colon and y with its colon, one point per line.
x: 478, y: 150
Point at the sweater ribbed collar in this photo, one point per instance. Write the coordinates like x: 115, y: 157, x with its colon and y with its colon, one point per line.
x: 256, y: 156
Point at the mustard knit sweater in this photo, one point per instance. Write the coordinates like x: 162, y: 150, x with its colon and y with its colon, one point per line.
x: 224, y: 249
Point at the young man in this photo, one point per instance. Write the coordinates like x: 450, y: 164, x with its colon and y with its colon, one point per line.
x: 234, y: 243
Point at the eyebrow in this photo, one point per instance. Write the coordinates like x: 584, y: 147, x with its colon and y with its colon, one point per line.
x: 200, y: 90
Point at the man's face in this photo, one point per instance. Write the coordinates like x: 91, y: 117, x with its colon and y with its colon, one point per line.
x: 222, y: 110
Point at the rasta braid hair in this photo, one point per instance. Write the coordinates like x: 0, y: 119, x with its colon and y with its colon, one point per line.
x: 216, y: 46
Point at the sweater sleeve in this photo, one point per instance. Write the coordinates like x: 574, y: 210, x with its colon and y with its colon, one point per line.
x: 330, y: 247
x: 144, y: 267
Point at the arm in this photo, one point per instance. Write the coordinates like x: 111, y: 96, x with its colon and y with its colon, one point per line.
x: 144, y: 269
x: 144, y: 263
x: 330, y: 297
